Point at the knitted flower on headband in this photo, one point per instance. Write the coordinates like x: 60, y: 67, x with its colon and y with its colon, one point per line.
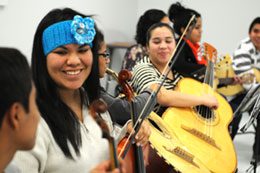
x: 83, y: 30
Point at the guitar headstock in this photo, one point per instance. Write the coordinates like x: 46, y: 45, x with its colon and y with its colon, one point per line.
x: 224, y: 62
x: 208, y: 52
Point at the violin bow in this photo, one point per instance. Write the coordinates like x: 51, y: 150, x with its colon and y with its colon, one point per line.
x: 123, y: 76
x: 151, y: 100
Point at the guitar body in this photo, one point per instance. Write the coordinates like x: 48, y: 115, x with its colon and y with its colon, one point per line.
x: 165, y: 142
x: 257, y: 74
x: 206, y: 138
x: 224, y: 70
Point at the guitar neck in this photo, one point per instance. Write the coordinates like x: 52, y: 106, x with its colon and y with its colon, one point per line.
x: 225, y: 81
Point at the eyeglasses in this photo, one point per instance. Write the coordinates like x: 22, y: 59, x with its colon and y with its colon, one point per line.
x: 104, y: 55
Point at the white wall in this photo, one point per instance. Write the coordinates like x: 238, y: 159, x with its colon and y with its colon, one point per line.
x: 225, y: 22
x: 19, y: 19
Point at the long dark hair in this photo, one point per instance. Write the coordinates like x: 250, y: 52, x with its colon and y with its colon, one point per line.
x: 180, y: 16
x: 149, y: 18
x: 62, y: 121
x: 99, y: 38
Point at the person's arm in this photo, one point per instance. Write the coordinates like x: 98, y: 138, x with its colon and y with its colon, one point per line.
x: 119, y: 108
x: 242, y: 62
x: 174, y: 98
x: 144, y: 76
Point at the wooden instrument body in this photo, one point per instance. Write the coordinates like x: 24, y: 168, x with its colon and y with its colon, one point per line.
x: 224, y: 70
x: 165, y: 142
x: 208, y: 140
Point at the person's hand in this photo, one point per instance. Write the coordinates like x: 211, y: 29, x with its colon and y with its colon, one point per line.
x: 142, y: 137
x: 210, y: 101
x: 104, y: 166
x: 237, y: 80
x: 154, y: 86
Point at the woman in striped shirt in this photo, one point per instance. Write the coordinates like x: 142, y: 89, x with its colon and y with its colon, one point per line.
x: 160, y: 45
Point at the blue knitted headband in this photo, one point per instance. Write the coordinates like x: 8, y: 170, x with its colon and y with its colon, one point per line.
x: 77, y: 31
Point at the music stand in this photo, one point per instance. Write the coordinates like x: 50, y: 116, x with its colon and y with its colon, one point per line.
x: 253, y: 116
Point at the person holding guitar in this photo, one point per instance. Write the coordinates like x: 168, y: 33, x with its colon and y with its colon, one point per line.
x: 190, y: 62
x: 246, y: 59
x: 193, y: 57
x: 160, y: 45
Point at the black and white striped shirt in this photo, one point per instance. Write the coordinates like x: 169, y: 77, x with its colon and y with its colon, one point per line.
x: 245, y: 57
x: 145, y: 74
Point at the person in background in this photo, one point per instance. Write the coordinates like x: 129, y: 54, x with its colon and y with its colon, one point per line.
x: 160, y: 45
x: 119, y: 108
x: 151, y: 157
x: 190, y: 62
x: 19, y: 115
x: 136, y: 52
x: 245, y: 58
x: 65, y: 73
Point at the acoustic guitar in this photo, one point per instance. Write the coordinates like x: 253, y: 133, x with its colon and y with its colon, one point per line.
x: 224, y: 74
x: 202, y: 130
x: 164, y: 140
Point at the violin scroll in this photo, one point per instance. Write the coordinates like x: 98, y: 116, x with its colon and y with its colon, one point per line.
x: 123, y: 77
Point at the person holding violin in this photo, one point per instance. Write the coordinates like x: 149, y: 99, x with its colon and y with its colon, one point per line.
x: 160, y: 45
x: 151, y: 158
x: 136, y: 52
x: 65, y: 73
x: 119, y: 108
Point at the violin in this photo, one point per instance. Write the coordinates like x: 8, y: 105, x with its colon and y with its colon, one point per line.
x: 152, y: 161
x: 97, y: 107
x: 136, y: 153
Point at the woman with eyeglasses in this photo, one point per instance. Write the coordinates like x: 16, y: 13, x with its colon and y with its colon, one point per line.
x: 119, y: 108
x: 65, y: 72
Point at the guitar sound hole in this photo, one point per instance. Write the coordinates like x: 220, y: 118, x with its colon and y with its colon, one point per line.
x: 205, y: 112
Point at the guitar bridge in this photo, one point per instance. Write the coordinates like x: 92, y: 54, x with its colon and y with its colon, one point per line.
x: 182, y: 154
x: 201, y: 135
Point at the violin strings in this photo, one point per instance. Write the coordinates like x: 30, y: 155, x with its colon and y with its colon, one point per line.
x: 139, y: 119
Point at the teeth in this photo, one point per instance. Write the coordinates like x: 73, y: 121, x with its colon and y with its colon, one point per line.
x: 73, y: 72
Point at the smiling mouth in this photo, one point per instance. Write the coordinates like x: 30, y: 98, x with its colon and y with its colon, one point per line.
x: 72, y: 72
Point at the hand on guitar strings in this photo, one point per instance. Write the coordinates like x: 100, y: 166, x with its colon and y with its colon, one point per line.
x: 210, y: 101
